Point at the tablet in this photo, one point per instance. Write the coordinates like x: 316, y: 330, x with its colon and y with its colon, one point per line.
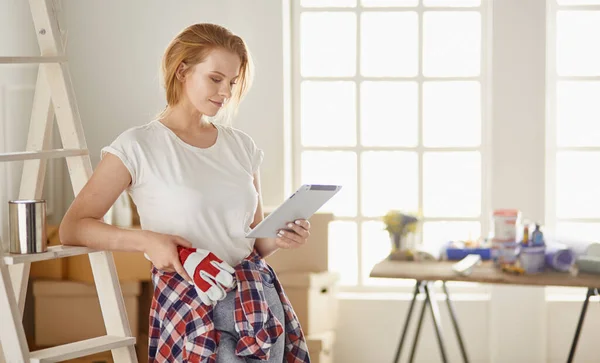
x: 305, y: 202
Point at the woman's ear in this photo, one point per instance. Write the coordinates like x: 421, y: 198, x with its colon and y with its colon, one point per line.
x: 181, y: 71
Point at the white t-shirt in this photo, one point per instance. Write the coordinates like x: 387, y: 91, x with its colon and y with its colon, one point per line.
x: 205, y: 195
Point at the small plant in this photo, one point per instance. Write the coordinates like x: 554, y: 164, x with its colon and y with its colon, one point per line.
x: 399, y: 223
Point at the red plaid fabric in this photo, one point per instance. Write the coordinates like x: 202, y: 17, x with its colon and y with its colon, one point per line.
x: 182, y: 328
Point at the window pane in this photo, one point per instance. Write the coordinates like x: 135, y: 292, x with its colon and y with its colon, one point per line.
x: 343, y: 251
x: 328, y: 3
x: 452, y: 184
x: 390, y: 180
x: 577, y: 50
x: 451, y: 43
x: 376, y: 246
x: 577, y: 113
x: 451, y: 114
x: 437, y: 234
x: 327, y: 44
x: 389, y: 113
x: 390, y: 3
x: 577, y: 191
x: 452, y: 3
x: 328, y: 113
x: 332, y: 167
x: 389, y: 44
x: 579, y: 231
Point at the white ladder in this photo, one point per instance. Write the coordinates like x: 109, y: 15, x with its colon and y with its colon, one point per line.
x: 54, y: 96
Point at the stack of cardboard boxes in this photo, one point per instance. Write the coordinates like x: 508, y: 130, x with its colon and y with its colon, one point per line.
x: 311, y: 287
x: 64, y: 308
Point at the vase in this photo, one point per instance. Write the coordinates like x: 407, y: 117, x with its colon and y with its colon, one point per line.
x: 402, y: 249
x: 396, y: 241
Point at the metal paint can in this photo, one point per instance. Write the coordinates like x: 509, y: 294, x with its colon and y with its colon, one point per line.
x: 27, y: 226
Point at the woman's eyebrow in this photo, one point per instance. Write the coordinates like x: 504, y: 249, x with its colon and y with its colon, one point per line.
x: 217, y: 72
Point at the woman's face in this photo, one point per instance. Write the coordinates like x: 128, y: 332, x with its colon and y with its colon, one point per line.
x: 208, y: 85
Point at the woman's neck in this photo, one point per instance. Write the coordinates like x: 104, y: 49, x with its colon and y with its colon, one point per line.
x: 184, y: 118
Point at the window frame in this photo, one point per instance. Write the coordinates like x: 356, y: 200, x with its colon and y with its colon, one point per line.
x: 484, y: 148
x: 552, y: 147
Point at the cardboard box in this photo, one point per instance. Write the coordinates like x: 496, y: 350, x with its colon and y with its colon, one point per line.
x: 141, y: 347
x: 313, y: 297
x: 67, y: 311
x: 312, y: 257
x: 320, y: 347
x: 104, y: 357
x: 51, y: 269
x: 131, y: 266
x: 146, y: 295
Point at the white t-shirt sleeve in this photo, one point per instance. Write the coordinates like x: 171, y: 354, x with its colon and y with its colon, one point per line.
x: 257, y: 156
x: 125, y: 147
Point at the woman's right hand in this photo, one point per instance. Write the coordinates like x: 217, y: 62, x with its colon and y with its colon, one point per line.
x: 161, y: 250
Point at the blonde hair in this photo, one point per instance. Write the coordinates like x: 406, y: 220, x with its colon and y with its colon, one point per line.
x: 191, y: 46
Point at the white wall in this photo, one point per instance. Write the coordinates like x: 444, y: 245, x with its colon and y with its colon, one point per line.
x: 17, y: 83
x: 17, y: 87
x: 518, y: 160
x: 370, y: 327
x: 115, y: 48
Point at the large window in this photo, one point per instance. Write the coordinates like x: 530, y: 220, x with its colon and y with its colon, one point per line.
x: 573, y: 142
x: 390, y: 100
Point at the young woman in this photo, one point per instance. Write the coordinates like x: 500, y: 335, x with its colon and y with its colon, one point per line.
x: 197, y: 189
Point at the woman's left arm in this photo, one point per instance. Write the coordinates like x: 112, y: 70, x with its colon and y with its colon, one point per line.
x: 296, y: 236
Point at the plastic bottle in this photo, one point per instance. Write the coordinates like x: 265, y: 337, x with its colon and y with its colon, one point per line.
x: 526, y: 234
x: 537, y: 237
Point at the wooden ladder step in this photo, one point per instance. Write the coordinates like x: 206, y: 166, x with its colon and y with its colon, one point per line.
x: 80, y: 349
x: 44, y: 154
x: 33, y: 60
x: 52, y: 253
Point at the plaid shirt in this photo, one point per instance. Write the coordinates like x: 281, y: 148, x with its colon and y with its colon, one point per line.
x: 182, y: 328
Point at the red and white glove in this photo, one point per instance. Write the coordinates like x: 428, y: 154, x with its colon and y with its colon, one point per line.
x: 211, y: 275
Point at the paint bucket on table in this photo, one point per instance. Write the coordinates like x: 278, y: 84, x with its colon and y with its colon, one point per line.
x: 533, y: 259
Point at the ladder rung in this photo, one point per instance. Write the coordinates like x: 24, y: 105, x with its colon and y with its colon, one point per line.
x: 44, y: 154
x: 80, y: 349
x: 33, y: 59
x: 53, y: 252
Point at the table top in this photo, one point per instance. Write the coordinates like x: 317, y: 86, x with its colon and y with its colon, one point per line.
x: 484, y: 273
